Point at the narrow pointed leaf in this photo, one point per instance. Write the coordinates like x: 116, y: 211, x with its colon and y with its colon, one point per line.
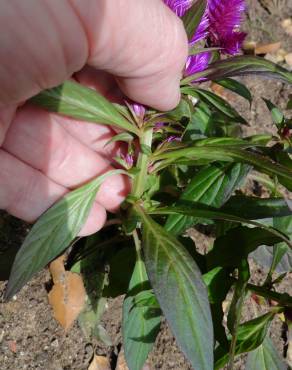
x: 265, y: 357
x: 53, y: 233
x: 140, y: 324
x: 193, y: 17
x: 236, y: 87
x: 251, y: 335
x: 241, y: 66
x: 213, y: 185
x: 279, y: 257
x: 230, y: 153
x: 179, y: 289
x: 216, y: 102
x: 77, y: 101
x: 201, y: 211
x: 253, y: 208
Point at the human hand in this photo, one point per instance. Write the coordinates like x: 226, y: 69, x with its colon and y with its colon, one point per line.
x: 138, y: 45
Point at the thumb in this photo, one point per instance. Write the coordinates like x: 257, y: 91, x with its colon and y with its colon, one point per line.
x: 43, y: 43
x: 142, y: 42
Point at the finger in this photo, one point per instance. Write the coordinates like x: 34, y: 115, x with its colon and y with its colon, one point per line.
x: 101, y: 81
x: 26, y: 193
x: 6, y: 115
x: 143, y: 43
x: 95, y: 137
x: 38, y: 140
x: 146, y: 52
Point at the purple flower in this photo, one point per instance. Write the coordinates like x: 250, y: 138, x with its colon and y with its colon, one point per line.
x: 225, y: 17
x: 179, y: 6
x: 219, y: 25
x: 139, y: 110
x: 171, y: 139
x: 202, y: 30
x: 128, y: 159
x: 197, y: 63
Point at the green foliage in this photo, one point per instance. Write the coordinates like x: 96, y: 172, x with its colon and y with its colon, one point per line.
x: 53, y: 233
x: 212, y: 185
x: 190, y: 169
x: 250, y: 335
x: 193, y: 17
x: 181, y: 294
x: 78, y: 101
x: 237, y: 87
x: 265, y: 357
x: 141, y: 323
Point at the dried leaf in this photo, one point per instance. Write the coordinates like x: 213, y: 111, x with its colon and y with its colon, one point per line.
x: 67, y: 296
x: 288, y: 59
x: 122, y: 364
x: 267, y: 48
x: 99, y: 363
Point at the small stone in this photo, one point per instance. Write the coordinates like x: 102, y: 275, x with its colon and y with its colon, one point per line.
x: 286, y: 23
x: 55, y: 343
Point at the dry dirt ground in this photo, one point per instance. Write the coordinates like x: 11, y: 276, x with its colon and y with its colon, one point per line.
x: 29, y: 336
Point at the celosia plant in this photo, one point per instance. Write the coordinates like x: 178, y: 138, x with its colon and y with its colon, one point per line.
x: 188, y: 168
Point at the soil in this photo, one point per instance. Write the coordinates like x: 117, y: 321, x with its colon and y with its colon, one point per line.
x: 31, y: 339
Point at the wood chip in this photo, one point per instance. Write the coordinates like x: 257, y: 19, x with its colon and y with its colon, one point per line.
x: 267, y: 48
x: 288, y: 59
x: 99, y: 363
x: 67, y: 296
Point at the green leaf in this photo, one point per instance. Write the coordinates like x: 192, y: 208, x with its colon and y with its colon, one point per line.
x: 193, y: 17
x: 213, y: 186
x: 183, y: 110
x: 235, y: 309
x: 202, y: 211
x: 241, y: 66
x: 53, y: 233
x: 146, y: 298
x: 179, y: 289
x: 251, y: 335
x: 253, y: 208
x: 229, y: 153
x: 140, y: 325
x: 279, y: 257
x: 236, y: 87
x: 218, y: 283
x: 230, y: 249
x: 277, y: 115
x: 77, y: 101
x: 265, y: 357
x: 216, y: 102
x: 123, y: 136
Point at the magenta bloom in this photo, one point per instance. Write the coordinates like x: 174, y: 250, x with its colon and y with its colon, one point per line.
x: 225, y: 17
x: 197, y: 63
x: 179, y: 6
x: 202, y: 31
x: 219, y: 27
x: 139, y: 110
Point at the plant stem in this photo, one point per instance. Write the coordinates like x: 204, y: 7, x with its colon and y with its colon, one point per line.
x: 138, y: 246
x: 283, y: 299
x: 142, y: 165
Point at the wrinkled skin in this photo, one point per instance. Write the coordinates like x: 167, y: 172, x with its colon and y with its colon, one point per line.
x: 138, y: 45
